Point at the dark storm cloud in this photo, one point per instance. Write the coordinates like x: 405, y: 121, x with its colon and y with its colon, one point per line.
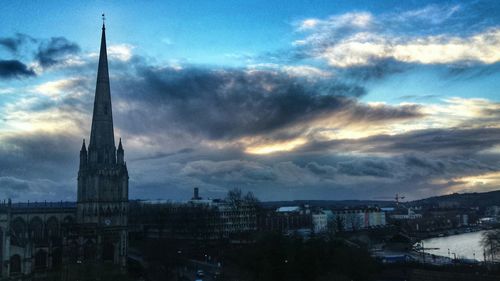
x: 321, y: 170
x: 228, y: 104
x: 343, y: 177
x: 233, y: 103
x: 52, y: 51
x: 463, y: 141
x: 413, y: 161
x: 14, y: 69
x: 368, y: 114
x: 164, y: 154
x: 31, y: 155
x: 14, y: 43
x: 39, y: 166
x: 430, y: 141
x: 367, y: 168
x: 401, y: 168
x: 231, y: 171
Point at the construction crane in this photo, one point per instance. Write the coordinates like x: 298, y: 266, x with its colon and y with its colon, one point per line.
x: 397, y: 198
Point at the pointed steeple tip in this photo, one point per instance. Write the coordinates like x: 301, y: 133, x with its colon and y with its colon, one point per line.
x: 103, y: 21
x: 120, y: 147
x: 83, y: 146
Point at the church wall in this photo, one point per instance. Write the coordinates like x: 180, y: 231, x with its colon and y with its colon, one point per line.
x: 37, y: 240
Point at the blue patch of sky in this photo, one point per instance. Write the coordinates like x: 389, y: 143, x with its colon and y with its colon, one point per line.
x: 200, y: 31
x: 227, y: 33
x: 430, y: 84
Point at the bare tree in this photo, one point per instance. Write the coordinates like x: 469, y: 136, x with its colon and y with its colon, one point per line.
x: 250, y: 199
x: 491, y: 244
x: 234, y: 197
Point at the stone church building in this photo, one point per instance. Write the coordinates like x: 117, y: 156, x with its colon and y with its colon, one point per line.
x: 39, y: 236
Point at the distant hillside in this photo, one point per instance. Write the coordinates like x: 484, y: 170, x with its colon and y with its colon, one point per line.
x: 466, y: 200
x: 475, y: 199
x: 329, y: 203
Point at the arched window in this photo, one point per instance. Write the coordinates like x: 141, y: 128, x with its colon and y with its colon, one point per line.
x: 18, y: 228
x: 52, y: 227
x: 36, y: 229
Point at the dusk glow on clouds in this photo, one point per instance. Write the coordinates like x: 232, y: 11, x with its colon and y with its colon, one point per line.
x: 344, y: 101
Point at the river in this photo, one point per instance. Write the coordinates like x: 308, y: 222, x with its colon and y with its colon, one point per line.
x: 465, y: 245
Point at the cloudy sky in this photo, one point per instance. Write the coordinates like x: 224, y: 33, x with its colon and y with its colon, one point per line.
x: 290, y: 100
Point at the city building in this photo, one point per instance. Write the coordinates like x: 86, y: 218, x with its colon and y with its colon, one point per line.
x: 196, y: 219
x: 319, y: 222
x: 358, y: 218
x: 409, y: 214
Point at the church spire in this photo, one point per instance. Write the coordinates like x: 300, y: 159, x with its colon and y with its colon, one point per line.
x: 102, y: 143
x: 120, y: 153
x: 83, y: 155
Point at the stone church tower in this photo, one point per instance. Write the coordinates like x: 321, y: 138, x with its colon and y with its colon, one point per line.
x: 102, y: 204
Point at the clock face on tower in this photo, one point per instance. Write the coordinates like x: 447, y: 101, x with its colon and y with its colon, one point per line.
x: 107, y: 222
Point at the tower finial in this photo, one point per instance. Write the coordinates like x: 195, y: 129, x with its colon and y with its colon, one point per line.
x: 103, y: 20
x: 83, y: 146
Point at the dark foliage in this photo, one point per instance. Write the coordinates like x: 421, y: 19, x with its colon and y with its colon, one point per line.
x: 275, y: 257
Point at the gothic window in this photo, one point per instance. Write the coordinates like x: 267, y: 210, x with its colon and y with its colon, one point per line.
x: 36, y: 229
x: 18, y: 227
x: 52, y: 227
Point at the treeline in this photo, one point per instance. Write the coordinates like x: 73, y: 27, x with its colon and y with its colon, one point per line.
x: 275, y: 257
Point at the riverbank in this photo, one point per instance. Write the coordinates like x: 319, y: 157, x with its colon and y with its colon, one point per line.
x: 466, y: 246
x: 417, y: 236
